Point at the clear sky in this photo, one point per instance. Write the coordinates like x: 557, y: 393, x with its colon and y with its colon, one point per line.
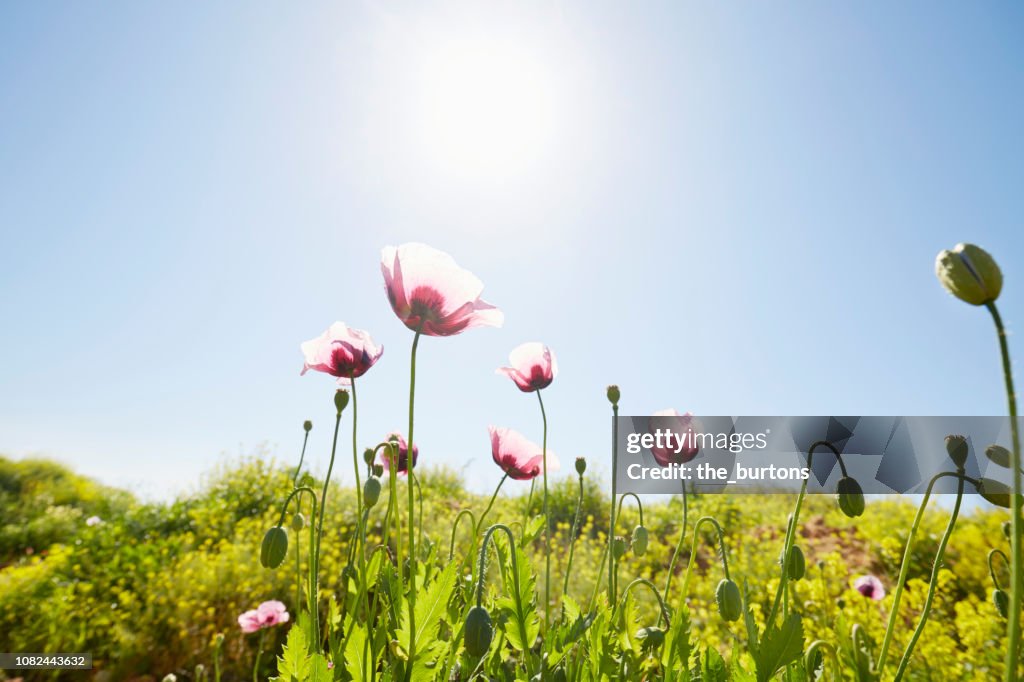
x: 724, y: 208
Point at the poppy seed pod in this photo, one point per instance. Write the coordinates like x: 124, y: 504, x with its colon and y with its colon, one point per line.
x: 850, y: 496
x: 999, y: 455
x: 478, y: 631
x: 730, y: 602
x: 298, y: 521
x: 581, y: 465
x: 619, y: 547
x: 1001, y: 601
x: 613, y: 394
x: 957, y: 448
x: 307, y: 426
x: 371, y: 491
x: 969, y: 273
x: 274, y: 547
x: 340, y: 400
x: 797, y: 566
x: 640, y: 538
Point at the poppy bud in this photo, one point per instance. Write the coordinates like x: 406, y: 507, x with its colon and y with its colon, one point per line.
x: 999, y: 455
x: 348, y: 574
x: 640, y: 541
x: 730, y: 603
x: 368, y: 455
x: 651, y: 637
x: 274, y: 547
x: 956, y: 446
x: 996, y: 492
x: 581, y: 465
x: 378, y: 470
x: 969, y: 273
x: 478, y: 631
x: 307, y: 426
x: 371, y: 491
x: 619, y: 547
x: 1007, y: 529
x: 613, y: 394
x: 1002, y: 602
x: 340, y: 400
x: 797, y: 565
x: 218, y: 640
x: 850, y: 497
x: 298, y: 521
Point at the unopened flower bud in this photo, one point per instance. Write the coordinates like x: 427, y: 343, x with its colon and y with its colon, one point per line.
x: 613, y: 394
x: 619, y: 547
x: 969, y: 273
x: 640, y: 538
x: 730, y: 602
x: 378, y: 470
x: 307, y: 426
x: 274, y: 547
x: 797, y: 566
x: 1007, y: 529
x: 368, y: 455
x: 1001, y: 601
x: 850, y: 496
x: 298, y: 521
x: 651, y: 637
x: 999, y: 455
x: 340, y: 400
x: 478, y: 631
x: 581, y: 465
x: 957, y: 448
x: 996, y: 492
x: 371, y: 492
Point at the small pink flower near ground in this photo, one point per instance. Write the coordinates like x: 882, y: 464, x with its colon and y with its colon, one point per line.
x: 342, y: 352
x: 402, y: 464
x: 532, y: 366
x: 517, y: 456
x: 267, y: 614
x: 870, y: 587
x: 93, y: 521
x: 682, y: 446
x: 429, y: 292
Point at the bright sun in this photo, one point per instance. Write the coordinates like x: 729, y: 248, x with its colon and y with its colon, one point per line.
x: 484, y: 107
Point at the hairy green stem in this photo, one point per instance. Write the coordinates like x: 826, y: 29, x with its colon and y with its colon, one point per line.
x: 693, y: 549
x: 259, y: 654
x: 647, y: 583
x: 547, y: 519
x: 833, y: 657
x: 455, y: 527
x: 572, y: 539
x: 611, y: 521
x: 992, y: 569
x: 315, y: 588
x: 679, y: 546
x: 410, y: 466
x: 520, y: 617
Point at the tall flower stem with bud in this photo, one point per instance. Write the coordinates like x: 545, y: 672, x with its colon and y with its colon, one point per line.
x: 581, y: 467
x: 340, y: 402
x: 547, y: 519
x: 613, y: 397
x: 679, y: 546
x: 411, y: 464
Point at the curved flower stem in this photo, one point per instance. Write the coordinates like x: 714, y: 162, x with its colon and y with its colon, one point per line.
x: 302, y: 456
x: 1013, y: 630
x: 547, y: 519
x: 600, y: 576
x: 933, y: 583
x: 259, y: 655
x: 992, y: 569
x: 832, y: 655
x: 298, y: 562
x: 572, y: 539
x: 520, y: 617
x: 313, y: 613
x: 455, y: 528
x: 693, y: 549
x: 315, y: 600
x: 791, y: 528
x: 611, y: 521
x: 905, y: 566
x: 480, y: 522
x: 679, y: 546
x: 644, y: 581
x: 410, y: 466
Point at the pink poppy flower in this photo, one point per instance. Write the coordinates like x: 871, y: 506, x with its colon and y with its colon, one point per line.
x: 402, y: 464
x: 533, y: 367
x: 342, y: 352
x: 267, y: 614
x: 518, y: 457
x: 430, y: 292
x: 678, y: 445
x: 870, y: 587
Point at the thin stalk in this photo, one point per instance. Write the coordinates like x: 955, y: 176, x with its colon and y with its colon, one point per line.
x: 480, y: 522
x: 314, y: 589
x: 455, y: 527
x: 992, y: 569
x: 355, y: 448
x: 302, y: 456
x: 520, y: 618
x: 833, y: 657
x: 547, y: 520
x: 259, y: 654
x: 1013, y: 629
x: 933, y: 583
x: 572, y: 538
x: 611, y: 523
x: 679, y: 546
x: 410, y: 466
x: 693, y: 549
x: 529, y: 506
x: 647, y: 583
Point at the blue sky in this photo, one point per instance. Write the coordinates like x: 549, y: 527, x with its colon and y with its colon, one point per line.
x: 729, y: 209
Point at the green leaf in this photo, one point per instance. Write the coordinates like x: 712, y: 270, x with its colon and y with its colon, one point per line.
x: 355, y: 661
x: 431, y: 605
x: 319, y: 671
x: 675, y: 655
x: 293, y: 664
x: 712, y: 667
x: 779, y: 647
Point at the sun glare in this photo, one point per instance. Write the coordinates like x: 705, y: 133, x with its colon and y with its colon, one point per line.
x: 484, y: 107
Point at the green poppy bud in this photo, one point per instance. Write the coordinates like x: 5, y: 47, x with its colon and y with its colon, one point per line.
x: 850, y: 496
x: 298, y: 521
x: 730, y: 603
x: 797, y: 565
x: 956, y: 446
x: 996, y: 492
x: 1007, y: 529
x: 340, y: 400
x: 478, y: 631
x: 640, y: 541
x: 378, y: 470
x: 371, y: 491
x: 613, y: 394
x: 1002, y: 602
x: 969, y: 273
x: 368, y: 455
x: 619, y: 547
x: 307, y: 426
x: 581, y: 465
x: 999, y: 455
x: 651, y: 637
x: 274, y: 547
